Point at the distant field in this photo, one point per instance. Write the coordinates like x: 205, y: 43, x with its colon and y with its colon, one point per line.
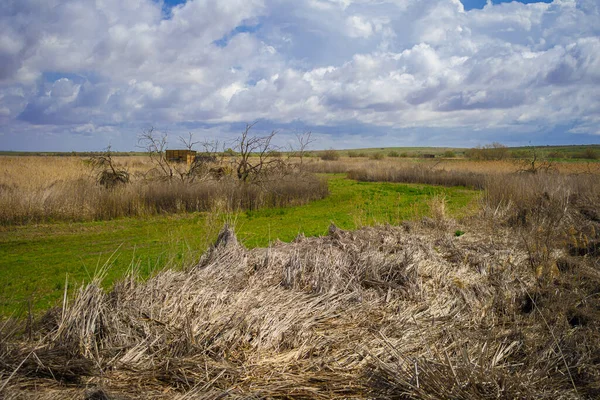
x: 408, y: 151
x: 591, y: 151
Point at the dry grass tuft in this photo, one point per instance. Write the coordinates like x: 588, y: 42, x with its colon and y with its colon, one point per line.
x: 389, y: 312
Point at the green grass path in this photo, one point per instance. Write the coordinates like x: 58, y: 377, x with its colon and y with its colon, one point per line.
x: 35, y: 259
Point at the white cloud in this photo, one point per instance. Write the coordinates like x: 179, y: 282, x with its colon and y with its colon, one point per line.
x: 359, y: 27
x: 402, y: 64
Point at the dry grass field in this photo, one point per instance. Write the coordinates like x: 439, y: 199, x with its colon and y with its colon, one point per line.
x: 500, y: 304
x: 45, y: 189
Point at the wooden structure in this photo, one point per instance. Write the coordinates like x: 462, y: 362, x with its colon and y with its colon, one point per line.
x: 186, y: 156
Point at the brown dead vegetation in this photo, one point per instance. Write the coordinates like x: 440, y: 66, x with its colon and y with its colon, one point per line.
x: 410, y: 312
x: 46, y: 189
x: 509, y: 309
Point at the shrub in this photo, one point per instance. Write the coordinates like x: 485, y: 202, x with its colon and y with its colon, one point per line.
x: 394, y: 154
x: 377, y: 156
x: 494, y: 151
x: 330, y: 155
x: 108, y: 174
x: 449, y: 154
x: 588, y: 154
x: 518, y: 154
x: 555, y: 154
x: 356, y: 154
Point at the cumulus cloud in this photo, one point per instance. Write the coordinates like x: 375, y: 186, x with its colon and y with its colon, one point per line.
x: 403, y: 67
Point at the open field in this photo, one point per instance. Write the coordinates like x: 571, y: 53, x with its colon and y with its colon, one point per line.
x: 346, y: 164
x: 35, y: 258
x: 557, y: 153
x: 479, y: 280
x: 562, y: 153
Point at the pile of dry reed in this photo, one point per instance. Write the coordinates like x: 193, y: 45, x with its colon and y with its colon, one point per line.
x: 411, y: 312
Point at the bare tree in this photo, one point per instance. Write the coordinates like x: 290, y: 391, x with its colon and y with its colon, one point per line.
x: 202, y: 166
x: 155, y: 144
x: 255, y: 155
x: 304, y: 140
x: 534, y: 163
x: 189, y: 141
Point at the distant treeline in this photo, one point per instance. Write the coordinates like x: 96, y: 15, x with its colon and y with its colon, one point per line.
x: 69, y: 153
x: 493, y: 151
x: 497, y: 151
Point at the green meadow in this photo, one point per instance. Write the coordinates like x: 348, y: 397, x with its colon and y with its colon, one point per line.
x: 38, y: 261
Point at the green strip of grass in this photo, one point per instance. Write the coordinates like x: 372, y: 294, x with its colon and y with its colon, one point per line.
x: 35, y: 259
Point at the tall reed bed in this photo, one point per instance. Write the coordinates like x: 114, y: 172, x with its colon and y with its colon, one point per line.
x: 515, y: 189
x: 552, y: 213
x: 52, y: 189
x: 345, y: 164
x: 419, y: 173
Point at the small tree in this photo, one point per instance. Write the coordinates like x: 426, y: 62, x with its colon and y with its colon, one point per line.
x: 255, y: 155
x: 108, y: 174
x: 188, y: 142
x: 155, y: 144
x: 535, y: 163
x: 304, y: 140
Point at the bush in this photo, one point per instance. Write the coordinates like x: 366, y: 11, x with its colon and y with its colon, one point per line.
x: 449, y: 154
x: 377, y: 156
x: 108, y: 174
x: 519, y: 154
x: 394, y: 154
x: 556, y: 154
x: 588, y: 154
x: 356, y: 154
x: 330, y: 155
x: 494, y: 151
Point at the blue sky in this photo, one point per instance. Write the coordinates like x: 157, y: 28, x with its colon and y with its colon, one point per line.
x: 470, y: 4
x: 357, y: 73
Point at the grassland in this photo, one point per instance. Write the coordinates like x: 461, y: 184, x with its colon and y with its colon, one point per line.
x: 556, y: 153
x: 35, y: 259
x: 488, y: 293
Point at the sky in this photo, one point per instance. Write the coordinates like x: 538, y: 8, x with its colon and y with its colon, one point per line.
x: 79, y: 75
